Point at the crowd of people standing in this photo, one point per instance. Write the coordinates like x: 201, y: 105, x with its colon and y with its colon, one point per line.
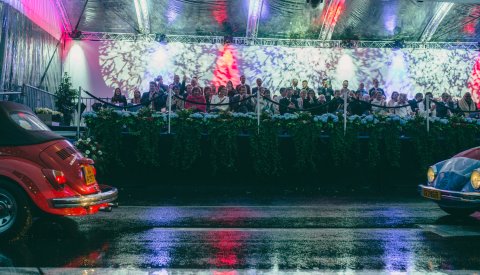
x: 243, y: 98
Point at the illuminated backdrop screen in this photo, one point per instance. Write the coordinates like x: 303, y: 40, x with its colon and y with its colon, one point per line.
x: 102, y: 66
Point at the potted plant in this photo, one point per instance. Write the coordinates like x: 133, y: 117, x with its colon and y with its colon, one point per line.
x: 49, y: 116
x: 64, y: 100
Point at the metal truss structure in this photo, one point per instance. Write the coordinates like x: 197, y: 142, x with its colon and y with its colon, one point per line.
x: 143, y: 16
x: 431, y: 28
x: 297, y: 43
x: 330, y: 14
x: 63, y: 15
x: 254, y: 13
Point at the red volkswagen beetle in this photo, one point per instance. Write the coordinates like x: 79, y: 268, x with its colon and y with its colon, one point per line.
x: 41, y: 172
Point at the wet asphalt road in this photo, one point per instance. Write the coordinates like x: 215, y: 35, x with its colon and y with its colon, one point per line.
x: 302, y: 234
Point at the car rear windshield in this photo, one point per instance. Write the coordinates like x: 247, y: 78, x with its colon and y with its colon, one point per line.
x: 29, y: 122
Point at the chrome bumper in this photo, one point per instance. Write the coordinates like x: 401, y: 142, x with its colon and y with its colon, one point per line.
x: 452, y: 196
x: 108, y: 194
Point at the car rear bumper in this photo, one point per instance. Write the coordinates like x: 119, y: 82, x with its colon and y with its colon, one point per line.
x: 450, y: 198
x: 108, y: 194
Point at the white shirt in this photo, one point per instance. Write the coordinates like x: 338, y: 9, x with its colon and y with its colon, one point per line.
x: 300, y: 102
x: 404, y: 111
x: 217, y: 100
x: 376, y: 109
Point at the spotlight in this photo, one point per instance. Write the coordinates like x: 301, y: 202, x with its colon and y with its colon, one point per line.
x: 76, y: 34
x: 347, y: 44
x: 314, y: 3
x: 227, y: 39
x: 398, y: 44
x: 159, y: 37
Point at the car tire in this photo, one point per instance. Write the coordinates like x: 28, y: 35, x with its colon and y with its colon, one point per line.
x: 458, y: 211
x: 15, y: 211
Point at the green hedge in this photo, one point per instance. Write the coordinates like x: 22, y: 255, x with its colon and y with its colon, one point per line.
x: 370, y: 141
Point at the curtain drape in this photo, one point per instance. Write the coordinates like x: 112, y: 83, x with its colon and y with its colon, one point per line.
x: 26, y: 51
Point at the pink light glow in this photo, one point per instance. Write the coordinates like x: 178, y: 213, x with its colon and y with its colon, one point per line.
x: 474, y: 81
x: 469, y: 28
x: 227, y: 67
x: 42, y: 13
x: 331, y: 15
x: 220, y: 12
x: 469, y: 23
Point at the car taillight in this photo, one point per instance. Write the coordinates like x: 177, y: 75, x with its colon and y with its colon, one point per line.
x: 56, y: 178
x: 60, y: 178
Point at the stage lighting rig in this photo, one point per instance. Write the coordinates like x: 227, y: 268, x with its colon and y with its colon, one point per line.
x: 314, y: 3
x: 347, y: 44
x: 159, y: 37
x: 398, y: 44
x: 227, y: 39
x: 76, y: 34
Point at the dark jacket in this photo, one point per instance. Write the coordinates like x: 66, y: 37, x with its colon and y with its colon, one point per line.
x: 357, y: 107
x: 413, y: 105
x: 442, y: 110
x: 159, y: 100
x: 327, y: 92
x: 121, y: 99
x: 284, y: 102
x: 333, y: 107
x: 249, y: 90
x: 254, y: 91
x: 244, y: 106
x: 372, y: 91
x: 321, y: 108
x: 307, y: 104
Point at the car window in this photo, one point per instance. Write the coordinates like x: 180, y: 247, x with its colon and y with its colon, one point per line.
x: 29, y: 122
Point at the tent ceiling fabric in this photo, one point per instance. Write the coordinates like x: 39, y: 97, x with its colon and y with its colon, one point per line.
x: 344, y: 19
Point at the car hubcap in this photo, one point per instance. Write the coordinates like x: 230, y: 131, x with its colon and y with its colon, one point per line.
x: 8, y: 210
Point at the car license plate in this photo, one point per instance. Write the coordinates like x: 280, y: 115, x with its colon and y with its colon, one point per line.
x: 89, y: 175
x: 432, y: 194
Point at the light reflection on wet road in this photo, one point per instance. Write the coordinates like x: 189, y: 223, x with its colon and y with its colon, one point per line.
x: 327, y: 235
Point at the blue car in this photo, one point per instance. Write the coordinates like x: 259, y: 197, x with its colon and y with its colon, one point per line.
x: 454, y: 184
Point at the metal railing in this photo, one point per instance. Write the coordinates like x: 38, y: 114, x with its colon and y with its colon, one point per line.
x: 35, y: 98
x: 13, y: 94
x: 90, y: 101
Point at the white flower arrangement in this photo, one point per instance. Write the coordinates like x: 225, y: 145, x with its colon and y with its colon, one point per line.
x: 89, y: 148
x: 48, y: 111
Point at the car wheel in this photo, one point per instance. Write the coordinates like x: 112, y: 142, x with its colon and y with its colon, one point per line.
x: 458, y: 211
x: 15, y: 211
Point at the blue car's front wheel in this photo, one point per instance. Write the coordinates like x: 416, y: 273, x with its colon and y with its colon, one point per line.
x: 458, y: 211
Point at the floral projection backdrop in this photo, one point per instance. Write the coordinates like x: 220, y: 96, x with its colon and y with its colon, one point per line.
x: 134, y: 64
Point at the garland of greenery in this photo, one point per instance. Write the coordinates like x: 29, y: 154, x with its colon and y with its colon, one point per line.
x: 221, y: 131
x: 264, y: 147
x: 391, y: 134
x: 373, y: 158
x: 186, y: 148
x: 223, y: 144
x: 106, y: 128
x: 461, y: 136
x: 147, y: 128
x: 305, y: 142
